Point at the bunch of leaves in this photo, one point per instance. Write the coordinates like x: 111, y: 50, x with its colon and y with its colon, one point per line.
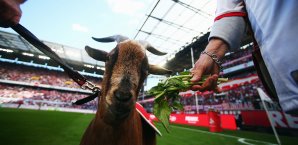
x: 167, y: 96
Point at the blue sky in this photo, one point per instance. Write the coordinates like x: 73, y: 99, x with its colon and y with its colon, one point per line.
x: 74, y: 22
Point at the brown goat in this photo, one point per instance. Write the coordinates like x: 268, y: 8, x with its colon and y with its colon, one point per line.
x: 117, y: 122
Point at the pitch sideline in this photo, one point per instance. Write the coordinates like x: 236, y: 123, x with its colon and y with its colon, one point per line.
x: 240, y: 139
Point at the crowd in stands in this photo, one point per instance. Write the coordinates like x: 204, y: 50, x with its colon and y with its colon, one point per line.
x: 240, y: 94
x: 236, y: 58
x: 42, y: 97
x: 39, y: 96
x: 28, y: 74
x: 244, y: 93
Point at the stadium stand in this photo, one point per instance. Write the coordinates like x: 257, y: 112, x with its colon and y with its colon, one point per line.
x: 238, y: 94
x: 30, y: 77
x: 35, y: 80
x: 42, y: 97
x: 28, y: 74
x: 34, y: 87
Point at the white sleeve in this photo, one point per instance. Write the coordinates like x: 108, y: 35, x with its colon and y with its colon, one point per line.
x: 229, y: 7
x: 229, y: 24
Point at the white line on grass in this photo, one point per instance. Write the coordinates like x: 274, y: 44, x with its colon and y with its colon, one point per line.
x: 225, y: 135
x: 242, y: 140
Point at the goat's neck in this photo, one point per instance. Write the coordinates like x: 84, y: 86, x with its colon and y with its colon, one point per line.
x: 129, y: 132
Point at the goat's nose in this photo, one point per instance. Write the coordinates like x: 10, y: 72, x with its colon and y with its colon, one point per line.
x: 122, y: 96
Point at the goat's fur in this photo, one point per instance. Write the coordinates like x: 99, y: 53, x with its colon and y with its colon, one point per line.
x: 117, y: 122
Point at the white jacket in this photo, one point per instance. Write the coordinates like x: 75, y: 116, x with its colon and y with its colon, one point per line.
x: 275, y: 26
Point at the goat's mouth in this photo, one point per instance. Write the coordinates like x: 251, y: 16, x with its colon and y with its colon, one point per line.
x: 120, y: 114
x: 122, y: 103
x: 119, y: 110
x: 115, y: 114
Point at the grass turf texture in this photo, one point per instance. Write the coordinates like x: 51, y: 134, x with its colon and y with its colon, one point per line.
x: 32, y: 127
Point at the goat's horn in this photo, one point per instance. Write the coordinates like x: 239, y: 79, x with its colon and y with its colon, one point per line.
x: 96, y: 54
x: 157, y: 70
x: 151, y: 49
x: 117, y: 38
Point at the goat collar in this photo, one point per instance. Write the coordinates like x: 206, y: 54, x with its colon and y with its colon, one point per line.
x: 146, y: 116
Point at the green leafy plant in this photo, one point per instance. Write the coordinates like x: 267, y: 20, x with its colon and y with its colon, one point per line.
x: 167, y: 95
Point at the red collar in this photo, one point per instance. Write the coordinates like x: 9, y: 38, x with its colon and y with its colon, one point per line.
x: 146, y: 116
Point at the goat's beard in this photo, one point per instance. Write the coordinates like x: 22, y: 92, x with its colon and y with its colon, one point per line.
x: 114, y: 113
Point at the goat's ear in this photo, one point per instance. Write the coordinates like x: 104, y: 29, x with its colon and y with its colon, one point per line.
x: 96, y: 54
x: 157, y: 70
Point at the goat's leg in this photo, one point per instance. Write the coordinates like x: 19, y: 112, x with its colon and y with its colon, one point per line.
x: 149, y: 134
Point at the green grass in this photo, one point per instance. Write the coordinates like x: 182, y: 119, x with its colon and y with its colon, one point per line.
x: 190, y: 135
x: 31, y: 127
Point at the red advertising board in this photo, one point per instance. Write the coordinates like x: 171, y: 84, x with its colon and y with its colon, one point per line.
x: 249, y: 118
x: 190, y: 119
x: 227, y: 121
x: 279, y: 119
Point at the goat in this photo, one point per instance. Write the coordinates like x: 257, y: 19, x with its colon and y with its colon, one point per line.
x: 126, y: 67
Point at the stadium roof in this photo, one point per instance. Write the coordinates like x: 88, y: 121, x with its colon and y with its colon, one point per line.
x: 172, y: 24
x: 15, y: 42
x: 169, y: 25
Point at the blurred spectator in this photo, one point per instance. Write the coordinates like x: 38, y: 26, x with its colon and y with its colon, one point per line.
x: 242, y: 94
x: 39, y: 76
x: 43, y: 97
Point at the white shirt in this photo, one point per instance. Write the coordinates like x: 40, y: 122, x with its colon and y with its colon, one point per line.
x: 275, y: 26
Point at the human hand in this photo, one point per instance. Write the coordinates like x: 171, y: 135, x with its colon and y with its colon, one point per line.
x: 10, y: 12
x: 205, y: 65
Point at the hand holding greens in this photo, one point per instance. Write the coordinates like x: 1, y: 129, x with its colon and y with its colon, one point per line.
x: 167, y: 95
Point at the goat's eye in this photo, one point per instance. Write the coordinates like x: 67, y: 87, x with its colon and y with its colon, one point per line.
x: 146, y: 72
x: 109, y: 58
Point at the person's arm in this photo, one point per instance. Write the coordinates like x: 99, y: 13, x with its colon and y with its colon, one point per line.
x: 226, y: 34
x: 10, y: 12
